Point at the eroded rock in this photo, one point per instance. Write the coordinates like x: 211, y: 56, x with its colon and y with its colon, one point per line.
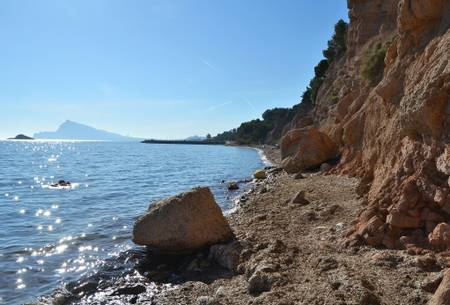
x: 183, y: 223
x: 305, y: 148
x: 442, y: 294
x: 440, y: 237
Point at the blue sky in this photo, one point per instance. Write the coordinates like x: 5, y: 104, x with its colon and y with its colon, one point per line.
x: 156, y: 68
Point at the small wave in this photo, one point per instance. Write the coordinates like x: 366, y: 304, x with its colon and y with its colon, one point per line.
x: 263, y: 157
x: 72, y: 186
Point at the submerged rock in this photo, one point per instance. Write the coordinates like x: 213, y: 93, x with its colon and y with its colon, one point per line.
x: 232, y: 185
x: 183, y: 223
x: 61, y: 183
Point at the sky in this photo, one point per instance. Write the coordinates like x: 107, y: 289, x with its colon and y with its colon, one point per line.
x: 163, y: 69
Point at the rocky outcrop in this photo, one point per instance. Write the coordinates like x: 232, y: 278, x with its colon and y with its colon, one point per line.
x: 393, y: 133
x: 306, y: 148
x: 402, y: 127
x: 442, y: 294
x: 183, y: 223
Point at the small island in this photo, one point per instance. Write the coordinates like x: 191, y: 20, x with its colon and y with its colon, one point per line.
x: 21, y: 137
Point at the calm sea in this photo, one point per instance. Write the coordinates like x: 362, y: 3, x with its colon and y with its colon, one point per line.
x: 51, y: 236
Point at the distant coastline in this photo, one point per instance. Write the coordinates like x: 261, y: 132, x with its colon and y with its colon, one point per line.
x: 204, y: 142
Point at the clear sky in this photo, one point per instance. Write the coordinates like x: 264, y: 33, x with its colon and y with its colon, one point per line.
x: 156, y: 68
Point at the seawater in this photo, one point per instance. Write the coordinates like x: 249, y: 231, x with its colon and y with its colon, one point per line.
x: 50, y: 237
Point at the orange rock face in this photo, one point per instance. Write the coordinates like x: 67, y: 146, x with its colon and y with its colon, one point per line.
x: 305, y: 148
x: 440, y: 237
x: 394, y: 135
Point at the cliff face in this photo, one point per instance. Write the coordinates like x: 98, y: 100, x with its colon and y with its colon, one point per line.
x: 392, y: 129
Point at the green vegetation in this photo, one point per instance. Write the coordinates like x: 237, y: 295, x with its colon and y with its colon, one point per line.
x: 337, y: 44
x: 336, y: 47
x: 334, y: 99
x: 256, y: 131
x: 373, y: 65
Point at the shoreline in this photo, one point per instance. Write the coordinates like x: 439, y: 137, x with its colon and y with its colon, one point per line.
x: 66, y: 295
x: 284, y: 253
x: 299, y: 250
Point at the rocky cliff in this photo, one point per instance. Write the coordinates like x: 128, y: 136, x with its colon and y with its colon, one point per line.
x: 386, y: 104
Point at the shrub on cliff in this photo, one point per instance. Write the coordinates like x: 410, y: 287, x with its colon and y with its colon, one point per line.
x: 256, y: 131
x: 372, y: 67
x: 337, y: 44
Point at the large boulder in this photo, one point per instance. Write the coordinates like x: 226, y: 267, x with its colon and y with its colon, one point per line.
x: 305, y: 148
x: 440, y: 237
x: 183, y: 223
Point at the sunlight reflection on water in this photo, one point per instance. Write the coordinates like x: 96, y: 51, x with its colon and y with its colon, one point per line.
x: 50, y: 235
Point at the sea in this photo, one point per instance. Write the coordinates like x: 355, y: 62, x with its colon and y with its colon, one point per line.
x: 52, y: 236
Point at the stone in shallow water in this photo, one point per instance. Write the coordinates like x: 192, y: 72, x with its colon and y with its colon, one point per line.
x: 260, y: 174
x: 183, y: 223
x: 232, y: 185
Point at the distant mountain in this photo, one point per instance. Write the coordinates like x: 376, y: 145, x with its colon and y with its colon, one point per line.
x: 195, y: 138
x: 70, y: 130
x: 21, y: 137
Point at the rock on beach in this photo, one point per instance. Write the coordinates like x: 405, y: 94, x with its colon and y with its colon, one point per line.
x: 183, y: 223
x: 305, y: 148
